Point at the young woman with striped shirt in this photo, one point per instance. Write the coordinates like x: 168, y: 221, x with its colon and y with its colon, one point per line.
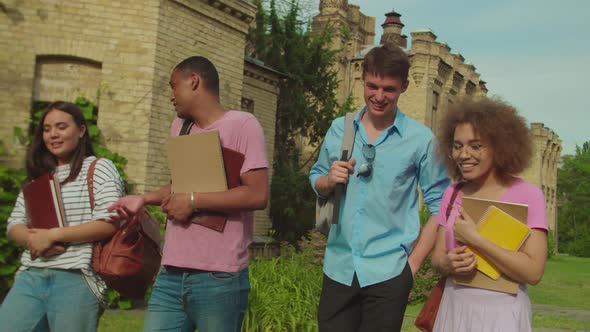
x: 55, y: 288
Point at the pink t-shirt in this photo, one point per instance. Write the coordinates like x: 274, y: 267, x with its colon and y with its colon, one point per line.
x: 197, y: 247
x: 519, y: 192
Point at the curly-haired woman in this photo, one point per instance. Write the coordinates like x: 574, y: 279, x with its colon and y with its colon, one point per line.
x: 485, y: 144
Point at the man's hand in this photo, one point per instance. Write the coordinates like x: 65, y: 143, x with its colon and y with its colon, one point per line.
x: 127, y: 207
x: 339, y: 172
x: 178, y: 207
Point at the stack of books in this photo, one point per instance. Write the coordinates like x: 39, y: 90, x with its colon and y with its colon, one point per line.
x: 199, y: 163
x: 504, y: 224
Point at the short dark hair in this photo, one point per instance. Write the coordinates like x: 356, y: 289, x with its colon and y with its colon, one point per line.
x: 40, y: 161
x: 205, y: 69
x: 387, y: 60
x: 498, y: 124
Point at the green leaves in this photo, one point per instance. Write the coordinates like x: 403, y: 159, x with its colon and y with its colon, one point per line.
x: 306, y: 107
x: 573, y: 196
x: 10, y: 183
x: 285, y: 290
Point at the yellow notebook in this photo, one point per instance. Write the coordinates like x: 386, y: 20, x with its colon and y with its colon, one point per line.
x: 502, y: 229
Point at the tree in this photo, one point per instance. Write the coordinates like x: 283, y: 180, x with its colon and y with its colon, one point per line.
x: 306, y: 107
x: 573, y: 188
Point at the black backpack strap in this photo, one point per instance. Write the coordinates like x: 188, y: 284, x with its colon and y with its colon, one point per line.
x: 186, y: 127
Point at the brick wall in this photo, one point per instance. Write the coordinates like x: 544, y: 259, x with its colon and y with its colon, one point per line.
x: 49, y: 47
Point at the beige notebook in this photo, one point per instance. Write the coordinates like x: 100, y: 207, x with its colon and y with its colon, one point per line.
x: 476, y: 208
x: 196, y: 163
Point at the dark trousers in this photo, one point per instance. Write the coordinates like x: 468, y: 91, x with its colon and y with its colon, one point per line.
x: 375, y: 308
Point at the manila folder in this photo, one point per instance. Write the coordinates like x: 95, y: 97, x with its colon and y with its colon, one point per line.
x: 196, y: 163
x: 476, y: 208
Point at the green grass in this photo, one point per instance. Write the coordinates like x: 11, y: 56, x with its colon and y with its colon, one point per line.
x: 565, y: 283
x: 560, y: 301
x: 560, y: 323
x: 121, y: 320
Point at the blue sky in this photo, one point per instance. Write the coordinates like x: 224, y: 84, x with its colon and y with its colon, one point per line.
x: 534, y: 54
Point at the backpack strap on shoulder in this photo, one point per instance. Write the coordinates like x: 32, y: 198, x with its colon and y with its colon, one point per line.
x: 90, y: 181
x: 346, y: 152
x: 186, y: 127
x: 348, y: 136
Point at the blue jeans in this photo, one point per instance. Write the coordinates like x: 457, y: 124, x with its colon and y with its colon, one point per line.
x: 44, y: 299
x: 185, y: 299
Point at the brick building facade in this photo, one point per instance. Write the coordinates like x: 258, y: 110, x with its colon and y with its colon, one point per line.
x: 119, y: 54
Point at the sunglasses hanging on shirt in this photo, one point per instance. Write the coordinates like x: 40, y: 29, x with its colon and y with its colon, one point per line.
x: 366, y: 169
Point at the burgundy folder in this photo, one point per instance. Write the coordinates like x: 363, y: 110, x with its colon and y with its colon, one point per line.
x: 43, y: 202
x: 232, y: 162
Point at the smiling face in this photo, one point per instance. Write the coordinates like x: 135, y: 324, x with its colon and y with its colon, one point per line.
x: 382, y: 93
x: 474, y: 157
x: 61, y: 135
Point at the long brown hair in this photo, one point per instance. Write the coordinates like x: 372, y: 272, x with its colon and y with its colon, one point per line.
x: 40, y: 161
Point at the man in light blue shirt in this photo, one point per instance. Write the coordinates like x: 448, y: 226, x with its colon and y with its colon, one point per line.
x: 376, y: 248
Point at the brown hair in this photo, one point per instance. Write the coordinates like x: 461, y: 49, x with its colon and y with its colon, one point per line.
x: 40, y: 161
x: 387, y: 60
x: 499, y: 125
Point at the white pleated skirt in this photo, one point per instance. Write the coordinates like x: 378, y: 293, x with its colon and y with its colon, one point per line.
x: 473, y: 309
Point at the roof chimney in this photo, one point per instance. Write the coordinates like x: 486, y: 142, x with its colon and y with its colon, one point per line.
x: 392, y: 30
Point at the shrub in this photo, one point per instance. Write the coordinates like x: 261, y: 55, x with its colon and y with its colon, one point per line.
x: 10, y: 183
x: 285, y: 290
x: 424, y: 282
x: 293, y: 204
x: 551, y: 245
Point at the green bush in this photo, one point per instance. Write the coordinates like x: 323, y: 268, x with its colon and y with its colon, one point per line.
x: 424, y: 282
x: 293, y: 204
x: 426, y: 278
x: 285, y: 290
x: 551, y: 245
x: 10, y: 182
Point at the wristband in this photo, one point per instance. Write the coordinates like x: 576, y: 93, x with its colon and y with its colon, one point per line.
x: 193, y: 201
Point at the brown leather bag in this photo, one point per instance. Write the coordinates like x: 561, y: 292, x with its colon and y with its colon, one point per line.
x: 130, y: 259
x: 427, y: 316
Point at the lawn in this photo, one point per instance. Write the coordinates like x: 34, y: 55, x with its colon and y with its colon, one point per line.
x: 560, y: 301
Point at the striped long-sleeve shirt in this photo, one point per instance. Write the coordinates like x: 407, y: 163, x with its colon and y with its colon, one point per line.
x: 108, y: 187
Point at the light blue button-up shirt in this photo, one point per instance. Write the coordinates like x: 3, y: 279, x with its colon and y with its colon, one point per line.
x: 379, y: 220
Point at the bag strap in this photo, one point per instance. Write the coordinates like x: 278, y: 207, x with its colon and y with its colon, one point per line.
x: 348, y: 136
x: 186, y: 127
x: 345, y: 152
x: 90, y: 181
x: 453, y: 197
